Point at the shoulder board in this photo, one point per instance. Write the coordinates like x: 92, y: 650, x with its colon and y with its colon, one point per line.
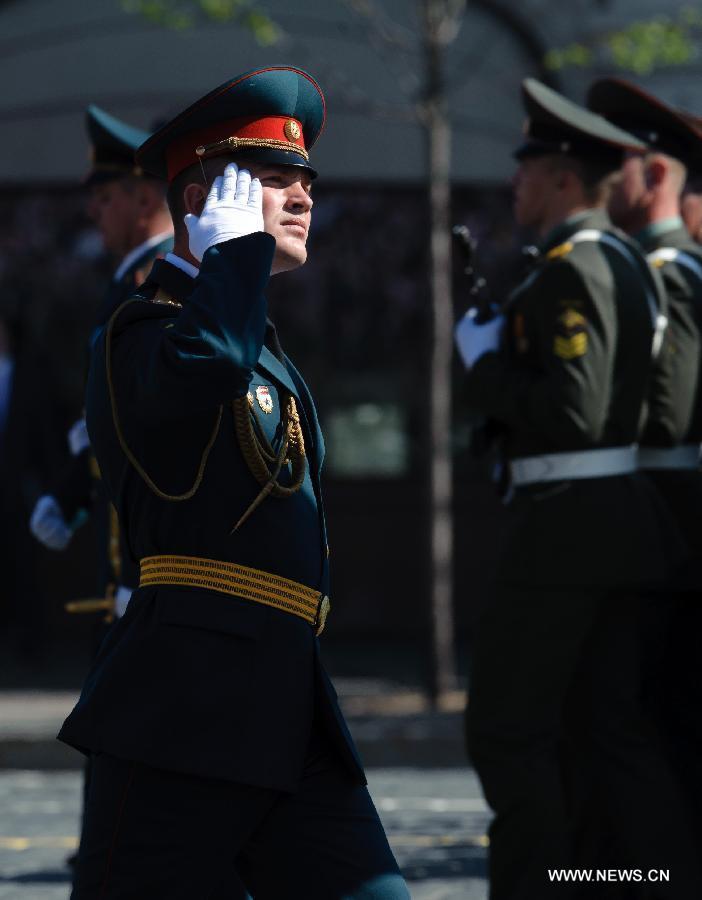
x: 561, y: 250
x: 139, y: 309
x: 162, y: 296
x: 685, y: 258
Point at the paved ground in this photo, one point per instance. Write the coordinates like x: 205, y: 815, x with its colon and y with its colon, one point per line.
x: 428, y: 798
x: 392, y: 725
x: 436, y: 820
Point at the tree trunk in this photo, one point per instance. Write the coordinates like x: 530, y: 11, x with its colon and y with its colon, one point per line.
x: 438, y: 136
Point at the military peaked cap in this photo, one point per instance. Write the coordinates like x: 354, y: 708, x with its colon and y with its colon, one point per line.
x: 113, y: 144
x: 274, y: 115
x: 557, y: 125
x: 660, y: 127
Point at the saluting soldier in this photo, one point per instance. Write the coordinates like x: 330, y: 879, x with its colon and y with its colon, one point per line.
x: 565, y: 370
x: 217, y: 731
x: 646, y: 203
x: 129, y: 209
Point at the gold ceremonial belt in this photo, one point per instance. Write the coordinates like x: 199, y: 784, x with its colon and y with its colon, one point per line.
x: 237, y: 581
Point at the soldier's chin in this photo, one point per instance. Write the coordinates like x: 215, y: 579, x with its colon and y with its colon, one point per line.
x: 289, y: 254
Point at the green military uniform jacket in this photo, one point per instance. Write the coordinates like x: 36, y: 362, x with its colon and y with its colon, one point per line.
x: 573, y: 374
x: 79, y: 489
x: 677, y: 416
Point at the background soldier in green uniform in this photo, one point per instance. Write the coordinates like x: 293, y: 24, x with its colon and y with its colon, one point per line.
x: 646, y: 203
x: 217, y: 731
x: 557, y: 648
x: 129, y: 209
x: 691, y: 200
x: 130, y: 212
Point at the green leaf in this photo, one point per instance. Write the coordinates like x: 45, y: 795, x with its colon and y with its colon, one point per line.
x: 182, y: 14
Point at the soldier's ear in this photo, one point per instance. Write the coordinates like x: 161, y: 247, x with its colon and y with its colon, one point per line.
x: 655, y: 172
x: 194, y: 196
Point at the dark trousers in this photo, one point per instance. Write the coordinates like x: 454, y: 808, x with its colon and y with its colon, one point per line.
x: 156, y: 835
x: 675, y: 691
x: 554, y: 669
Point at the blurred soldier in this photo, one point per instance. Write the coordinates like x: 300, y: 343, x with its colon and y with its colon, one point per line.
x: 691, y: 200
x: 691, y: 208
x: 130, y: 211
x: 565, y: 369
x: 218, y: 731
x: 646, y: 203
x: 28, y: 451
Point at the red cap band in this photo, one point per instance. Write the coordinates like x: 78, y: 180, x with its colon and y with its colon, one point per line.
x: 181, y: 153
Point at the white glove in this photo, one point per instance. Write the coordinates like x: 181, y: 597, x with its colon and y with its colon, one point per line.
x: 48, y: 525
x: 122, y: 597
x: 234, y: 207
x: 474, y: 339
x: 78, y: 438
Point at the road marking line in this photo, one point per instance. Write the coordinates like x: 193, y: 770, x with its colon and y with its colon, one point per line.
x: 438, y: 840
x: 45, y: 841
x: 432, y: 804
x: 61, y: 842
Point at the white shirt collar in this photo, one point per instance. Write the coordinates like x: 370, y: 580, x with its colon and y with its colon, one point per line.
x: 134, y: 254
x: 183, y: 265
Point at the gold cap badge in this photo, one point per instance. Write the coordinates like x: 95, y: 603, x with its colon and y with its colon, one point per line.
x: 292, y: 130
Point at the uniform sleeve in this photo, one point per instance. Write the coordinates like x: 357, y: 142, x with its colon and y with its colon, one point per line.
x: 162, y: 366
x: 563, y: 391
x: 73, y: 490
x: 674, y: 380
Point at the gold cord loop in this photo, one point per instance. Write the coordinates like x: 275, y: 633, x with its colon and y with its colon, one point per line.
x: 261, y: 459
x: 263, y: 463
x: 162, y: 495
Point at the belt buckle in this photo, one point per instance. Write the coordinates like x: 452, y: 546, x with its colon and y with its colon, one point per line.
x: 322, y: 613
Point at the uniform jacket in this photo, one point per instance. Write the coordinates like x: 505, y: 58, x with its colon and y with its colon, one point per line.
x: 79, y: 487
x: 190, y: 679
x: 682, y: 352
x: 573, y: 374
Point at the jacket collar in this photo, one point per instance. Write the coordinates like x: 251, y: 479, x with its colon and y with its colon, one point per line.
x: 666, y: 233
x: 172, y: 279
x: 271, y: 365
x: 596, y: 218
x: 155, y: 246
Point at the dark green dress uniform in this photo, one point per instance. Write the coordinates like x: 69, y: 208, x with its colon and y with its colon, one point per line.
x: 670, y: 444
x: 556, y: 653
x: 678, y: 424
x: 217, y: 733
x: 78, y: 489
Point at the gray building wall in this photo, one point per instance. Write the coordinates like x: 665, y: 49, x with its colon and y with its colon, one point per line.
x: 56, y: 56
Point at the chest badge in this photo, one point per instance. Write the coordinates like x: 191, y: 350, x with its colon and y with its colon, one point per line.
x: 265, y: 401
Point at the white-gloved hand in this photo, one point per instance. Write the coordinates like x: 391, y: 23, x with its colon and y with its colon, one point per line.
x: 48, y: 525
x: 234, y: 207
x: 122, y: 597
x: 475, y: 339
x: 78, y: 438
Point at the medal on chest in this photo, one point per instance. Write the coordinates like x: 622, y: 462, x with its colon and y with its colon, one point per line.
x: 264, y: 398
